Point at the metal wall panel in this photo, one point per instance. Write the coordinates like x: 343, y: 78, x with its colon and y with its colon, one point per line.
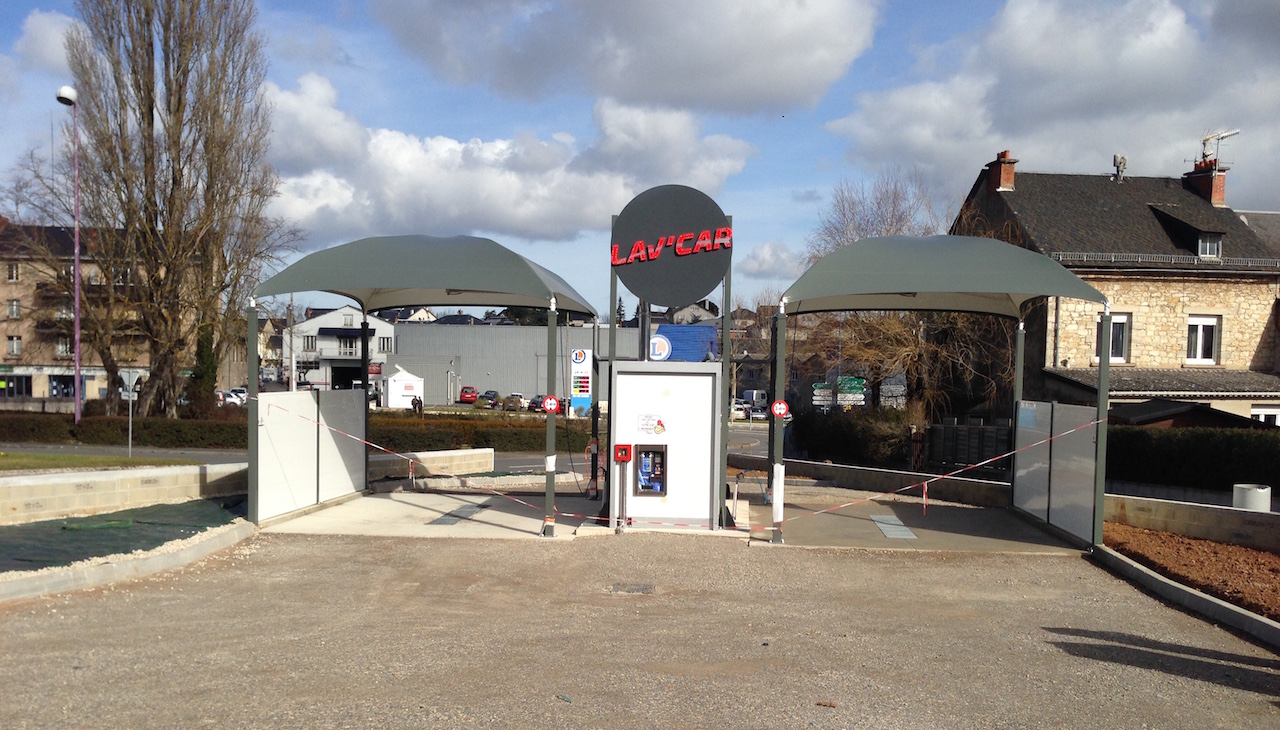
x: 286, y: 458
x: 503, y: 358
x: 340, y: 458
x: 1031, y: 465
x: 1071, y: 470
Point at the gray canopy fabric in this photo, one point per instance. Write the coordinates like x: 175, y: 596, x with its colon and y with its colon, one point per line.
x: 400, y: 271
x: 944, y: 273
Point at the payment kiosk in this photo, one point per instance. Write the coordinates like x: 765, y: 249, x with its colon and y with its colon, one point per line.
x: 665, y: 426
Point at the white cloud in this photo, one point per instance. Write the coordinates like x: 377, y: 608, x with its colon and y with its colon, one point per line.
x: 341, y: 179
x: 773, y: 261
x: 42, y: 45
x: 310, y: 131
x: 1065, y: 84
x: 731, y: 55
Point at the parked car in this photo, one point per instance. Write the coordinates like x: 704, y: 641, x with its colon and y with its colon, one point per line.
x: 489, y: 399
x: 241, y: 394
x: 740, y: 410
x: 758, y: 413
x: 535, y: 403
x: 514, y: 402
x: 468, y: 394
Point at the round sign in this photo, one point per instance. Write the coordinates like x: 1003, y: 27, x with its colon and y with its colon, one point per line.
x: 551, y: 404
x: 779, y: 408
x: 671, y: 245
x: 579, y: 357
x: 659, y: 348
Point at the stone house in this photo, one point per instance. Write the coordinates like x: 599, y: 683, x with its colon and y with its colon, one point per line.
x: 1193, y: 285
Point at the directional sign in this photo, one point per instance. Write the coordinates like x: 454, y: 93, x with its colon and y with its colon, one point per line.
x: 551, y: 404
x: 779, y: 408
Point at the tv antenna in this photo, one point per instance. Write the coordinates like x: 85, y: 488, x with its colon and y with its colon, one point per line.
x: 1214, y: 138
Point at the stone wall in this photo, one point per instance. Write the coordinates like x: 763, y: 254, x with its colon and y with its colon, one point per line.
x: 1158, y: 310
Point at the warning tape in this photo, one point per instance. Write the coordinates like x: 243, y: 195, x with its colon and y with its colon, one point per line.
x: 922, y: 485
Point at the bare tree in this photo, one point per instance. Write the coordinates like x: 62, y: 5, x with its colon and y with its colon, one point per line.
x: 173, y: 162
x: 942, y: 356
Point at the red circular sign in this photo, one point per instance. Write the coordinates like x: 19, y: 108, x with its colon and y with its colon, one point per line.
x: 551, y: 404
x: 779, y: 408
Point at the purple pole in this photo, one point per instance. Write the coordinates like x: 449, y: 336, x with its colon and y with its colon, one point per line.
x: 75, y: 268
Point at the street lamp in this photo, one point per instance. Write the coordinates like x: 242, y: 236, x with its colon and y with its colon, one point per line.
x: 67, y: 95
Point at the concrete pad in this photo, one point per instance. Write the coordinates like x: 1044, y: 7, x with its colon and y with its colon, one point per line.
x: 418, y: 514
x: 942, y: 526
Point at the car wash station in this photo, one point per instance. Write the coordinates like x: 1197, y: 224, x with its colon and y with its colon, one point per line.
x: 665, y: 452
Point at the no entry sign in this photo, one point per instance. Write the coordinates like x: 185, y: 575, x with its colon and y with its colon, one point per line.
x: 779, y: 408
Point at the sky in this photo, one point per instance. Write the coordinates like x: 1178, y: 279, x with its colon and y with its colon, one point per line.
x: 533, y: 122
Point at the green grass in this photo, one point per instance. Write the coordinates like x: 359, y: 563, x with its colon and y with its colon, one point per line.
x: 16, y: 461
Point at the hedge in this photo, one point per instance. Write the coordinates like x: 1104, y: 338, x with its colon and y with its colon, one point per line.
x: 859, y: 438
x: 1198, y: 458
x: 394, y: 432
x: 448, y: 432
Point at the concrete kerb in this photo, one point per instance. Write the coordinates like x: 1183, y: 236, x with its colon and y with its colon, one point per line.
x: 97, y: 574
x: 1213, y: 609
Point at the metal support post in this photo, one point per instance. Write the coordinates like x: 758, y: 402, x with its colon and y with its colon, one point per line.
x: 549, y: 519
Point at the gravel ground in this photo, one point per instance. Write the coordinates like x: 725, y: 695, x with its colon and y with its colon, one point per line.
x: 639, y: 630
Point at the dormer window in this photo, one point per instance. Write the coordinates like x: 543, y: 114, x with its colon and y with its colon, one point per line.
x: 1210, y: 245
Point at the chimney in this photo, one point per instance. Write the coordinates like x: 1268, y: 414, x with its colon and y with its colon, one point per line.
x: 1208, y: 179
x: 1000, y: 173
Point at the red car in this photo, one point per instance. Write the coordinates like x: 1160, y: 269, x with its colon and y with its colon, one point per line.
x: 467, y: 394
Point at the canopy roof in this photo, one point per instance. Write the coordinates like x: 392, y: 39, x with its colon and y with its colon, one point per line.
x: 944, y: 273
x: 399, y: 271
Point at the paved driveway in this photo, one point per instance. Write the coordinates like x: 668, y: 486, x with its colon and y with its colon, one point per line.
x: 637, y: 630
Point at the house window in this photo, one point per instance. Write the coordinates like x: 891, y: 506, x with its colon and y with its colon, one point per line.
x: 1120, y: 334
x: 384, y: 344
x: 309, y: 343
x: 64, y: 346
x: 14, y: 346
x: 15, y: 386
x: 347, y: 346
x: 348, y: 320
x: 15, y: 309
x: 1266, y: 413
x: 15, y: 271
x: 1210, y: 245
x: 1202, y: 340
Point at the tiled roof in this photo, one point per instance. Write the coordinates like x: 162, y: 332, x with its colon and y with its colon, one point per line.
x: 1175, y: 382
x: 14, y: 239
x: 1155, y: 220
x: 1266, y: 224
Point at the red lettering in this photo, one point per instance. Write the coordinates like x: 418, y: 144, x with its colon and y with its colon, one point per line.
x: 637, y: 252
x: 613, y: 256
x: 655, y: 250
x: 681, y: 248
x: 704, y: 242
x: 724, y: 237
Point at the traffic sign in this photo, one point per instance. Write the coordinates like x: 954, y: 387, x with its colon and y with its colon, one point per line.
x: 779, y: 408
x: 551, y: 404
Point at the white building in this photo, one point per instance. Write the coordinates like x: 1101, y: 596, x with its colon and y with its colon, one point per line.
x: 325, y: 350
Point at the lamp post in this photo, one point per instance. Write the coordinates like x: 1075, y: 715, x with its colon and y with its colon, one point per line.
x: 67, y: 95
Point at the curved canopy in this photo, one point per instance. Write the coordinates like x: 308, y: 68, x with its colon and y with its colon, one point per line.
x: 402, y: 271
x: 944, y: 273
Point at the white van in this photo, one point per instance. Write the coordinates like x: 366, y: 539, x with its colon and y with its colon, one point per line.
x: 756, y: 397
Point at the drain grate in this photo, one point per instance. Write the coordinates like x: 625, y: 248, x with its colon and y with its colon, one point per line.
x: 458, y: 515
x: 892, y: 527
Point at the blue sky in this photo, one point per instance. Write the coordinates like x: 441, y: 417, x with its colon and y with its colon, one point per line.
x: 534, y: 121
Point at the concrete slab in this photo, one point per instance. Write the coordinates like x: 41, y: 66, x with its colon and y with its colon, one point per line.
x: 481, y: 515
x: 943, y: 526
